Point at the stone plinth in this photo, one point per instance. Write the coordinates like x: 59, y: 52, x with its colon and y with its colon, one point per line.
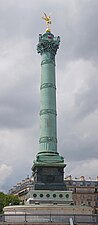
x: 45, y: 213
x: 49, y: 196
x: 43, y: 209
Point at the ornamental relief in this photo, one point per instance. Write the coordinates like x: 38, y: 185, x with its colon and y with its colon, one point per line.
x: 46, y: 46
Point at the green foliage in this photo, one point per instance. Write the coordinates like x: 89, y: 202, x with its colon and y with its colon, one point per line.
x: 6, y: 200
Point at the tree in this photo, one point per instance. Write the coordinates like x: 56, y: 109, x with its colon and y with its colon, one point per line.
x: 6, y: 199
x: 2, y: 196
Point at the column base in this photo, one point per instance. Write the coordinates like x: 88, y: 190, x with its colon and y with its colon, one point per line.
x: 48, y: 176
x: 49, y: 157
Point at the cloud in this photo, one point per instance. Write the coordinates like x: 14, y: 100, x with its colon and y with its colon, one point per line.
x: 18, y: 89
x: 87, y: 99
x: 78, y: 24
x: 77, y: 89
x: 78, y: 111
x: 82, y: 168
x: 76, y: 74
x: 5, y: 171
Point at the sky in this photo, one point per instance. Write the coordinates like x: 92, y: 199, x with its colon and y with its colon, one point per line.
x: 76, y: 22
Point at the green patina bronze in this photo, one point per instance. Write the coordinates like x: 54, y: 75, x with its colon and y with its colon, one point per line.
x: 47, y: 47
x: 48, y: 168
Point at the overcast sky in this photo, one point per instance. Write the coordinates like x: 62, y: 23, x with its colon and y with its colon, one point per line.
x: 76, y: 21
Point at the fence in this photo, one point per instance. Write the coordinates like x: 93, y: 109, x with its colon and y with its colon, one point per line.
x: 48, y: 218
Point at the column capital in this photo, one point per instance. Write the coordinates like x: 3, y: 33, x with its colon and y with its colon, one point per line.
x: 48, y: 43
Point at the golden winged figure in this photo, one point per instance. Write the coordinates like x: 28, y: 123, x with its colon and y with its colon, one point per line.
x: 48, y: 21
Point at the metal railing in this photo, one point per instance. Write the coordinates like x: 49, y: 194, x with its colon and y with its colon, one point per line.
x: 49, y: 218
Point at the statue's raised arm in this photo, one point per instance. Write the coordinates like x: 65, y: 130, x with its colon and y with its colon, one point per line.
x: 48, y: 22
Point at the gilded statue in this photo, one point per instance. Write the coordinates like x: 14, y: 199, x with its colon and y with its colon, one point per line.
x: 48, y: 22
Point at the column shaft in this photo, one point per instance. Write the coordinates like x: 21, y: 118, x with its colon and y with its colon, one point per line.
x: 48, y: 131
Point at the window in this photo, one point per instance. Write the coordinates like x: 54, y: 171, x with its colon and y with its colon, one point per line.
x: 89, y: 203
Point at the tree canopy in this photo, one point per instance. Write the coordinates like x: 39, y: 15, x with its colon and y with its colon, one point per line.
x: 7, y: 199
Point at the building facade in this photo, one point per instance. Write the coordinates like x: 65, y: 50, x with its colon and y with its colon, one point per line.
x: 84, y: 192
